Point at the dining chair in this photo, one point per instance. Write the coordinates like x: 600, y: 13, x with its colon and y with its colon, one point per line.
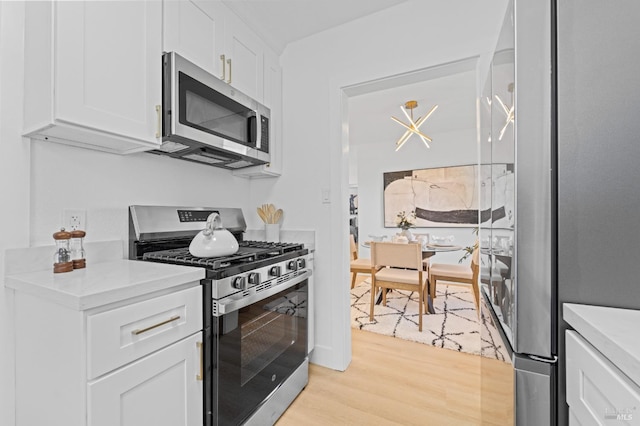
x: 456, y: 273
x: 359, y: 265
x: 397, y: 266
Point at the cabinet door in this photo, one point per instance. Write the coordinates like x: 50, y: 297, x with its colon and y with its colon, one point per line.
x: 161, y: 389
x: 597, y: 391
x: 245, y: 52
x: 108, y: 66
x: 194, y: 33
x: 273, y: 100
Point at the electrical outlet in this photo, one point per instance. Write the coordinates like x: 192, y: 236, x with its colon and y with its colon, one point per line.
x: 75, y: 219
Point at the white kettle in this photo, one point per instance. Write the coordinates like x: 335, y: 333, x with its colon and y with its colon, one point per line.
x: 213, y: 240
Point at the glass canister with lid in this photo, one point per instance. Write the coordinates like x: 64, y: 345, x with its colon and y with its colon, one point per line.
x: 62, y: 257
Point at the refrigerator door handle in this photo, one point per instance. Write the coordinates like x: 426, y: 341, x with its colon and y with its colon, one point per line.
x: 553, y: 360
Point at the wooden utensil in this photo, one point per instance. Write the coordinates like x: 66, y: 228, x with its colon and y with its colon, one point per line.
x: 277, y: 216
x: 269, y: 214
x: 262, y: 215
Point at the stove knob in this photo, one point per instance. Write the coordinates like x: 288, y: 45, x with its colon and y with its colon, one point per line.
x: 254, y: 278
x: 239, y: 283
x: 274, y: 271
x: 301, y: 263
x: 292, y: 265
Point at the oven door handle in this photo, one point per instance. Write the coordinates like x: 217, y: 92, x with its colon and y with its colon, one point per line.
x: 225, y: 307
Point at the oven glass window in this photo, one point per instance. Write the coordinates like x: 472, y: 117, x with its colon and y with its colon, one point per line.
x: 259, y: 346
x: 210, y: 111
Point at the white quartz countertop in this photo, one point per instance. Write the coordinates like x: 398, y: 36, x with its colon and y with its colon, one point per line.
x: 103, y: 283
x: 612, y: 331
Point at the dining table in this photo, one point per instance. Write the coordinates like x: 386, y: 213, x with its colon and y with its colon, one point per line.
x: 428, y: 250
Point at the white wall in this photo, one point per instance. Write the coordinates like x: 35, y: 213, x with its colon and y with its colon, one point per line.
x: 315, y: 139
x: 14, y: 186
x: 106, y: 184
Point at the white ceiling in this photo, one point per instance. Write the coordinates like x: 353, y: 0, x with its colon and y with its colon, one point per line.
x: 279, y: 22
x: 451, y: 87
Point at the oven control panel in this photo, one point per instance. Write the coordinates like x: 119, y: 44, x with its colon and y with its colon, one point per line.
x: 195, y: 215
x: 255, y: 280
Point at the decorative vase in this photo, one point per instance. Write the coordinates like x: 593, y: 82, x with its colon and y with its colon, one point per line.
x: 407, y: 233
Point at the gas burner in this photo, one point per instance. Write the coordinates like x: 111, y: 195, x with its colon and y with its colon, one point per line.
x: 251, y: 254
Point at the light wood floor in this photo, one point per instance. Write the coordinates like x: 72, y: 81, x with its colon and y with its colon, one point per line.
x: 397, y: 382
x: 391, y: 382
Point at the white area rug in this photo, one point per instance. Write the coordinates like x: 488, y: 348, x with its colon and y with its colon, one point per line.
x: 454, y: 326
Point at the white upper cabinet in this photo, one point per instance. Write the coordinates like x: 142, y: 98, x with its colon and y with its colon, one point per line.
x: 195, y: 34
x: 212, y: 37
x: 93, y: 74
x: 272, y: 81
x: 244, y: 58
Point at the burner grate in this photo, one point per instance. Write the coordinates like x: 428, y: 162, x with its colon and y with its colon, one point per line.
x: 183, y: 257
x: 249, y: 251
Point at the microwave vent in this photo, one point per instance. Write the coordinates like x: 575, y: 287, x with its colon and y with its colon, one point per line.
x: 239, y: 164
x: 172, y: 147
x: 203, y: 159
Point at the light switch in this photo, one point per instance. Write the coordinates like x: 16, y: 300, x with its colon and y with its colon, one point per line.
x: 326, y: 195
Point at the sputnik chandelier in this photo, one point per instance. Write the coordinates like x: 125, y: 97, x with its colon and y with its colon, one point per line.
x: 414, y: 126
x: 509, y: 112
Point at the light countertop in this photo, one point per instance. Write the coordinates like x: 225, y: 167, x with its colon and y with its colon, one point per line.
x: 103, y: 283
x: 612, y: 331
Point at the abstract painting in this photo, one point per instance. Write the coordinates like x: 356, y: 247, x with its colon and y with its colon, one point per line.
x: 444, y: 196
x: 449, y: 196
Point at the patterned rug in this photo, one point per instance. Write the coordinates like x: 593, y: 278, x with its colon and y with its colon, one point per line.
x: 454, y: 326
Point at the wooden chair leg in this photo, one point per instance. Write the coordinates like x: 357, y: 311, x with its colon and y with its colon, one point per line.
x: 373, y: 297
x: 432, y: 288
x: 353, y: 279
x: 476, y: 297
x: 420, y: 299
x: 384, y: 295
x: 425, y: 299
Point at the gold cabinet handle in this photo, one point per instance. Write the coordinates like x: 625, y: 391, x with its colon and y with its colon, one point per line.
x: 229, y: 62
x: 139, y: 331
x: 224, y: 69
x: 199, y: 346
x: 159, y: 112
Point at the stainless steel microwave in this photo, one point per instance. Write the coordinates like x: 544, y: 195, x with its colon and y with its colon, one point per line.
x: 207, y: 121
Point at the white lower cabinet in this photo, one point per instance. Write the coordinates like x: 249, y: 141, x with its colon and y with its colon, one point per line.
x: 598, y: 393
x: 162, y: 389
x: 129, y: 363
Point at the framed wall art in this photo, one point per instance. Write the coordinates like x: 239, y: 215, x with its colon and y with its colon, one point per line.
x: 444, y: 196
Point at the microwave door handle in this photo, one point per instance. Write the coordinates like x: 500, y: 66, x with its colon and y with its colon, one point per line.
x: 258, y: 124
x: 254, y: 129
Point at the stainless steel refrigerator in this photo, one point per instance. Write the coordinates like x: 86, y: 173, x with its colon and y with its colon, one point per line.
x: 560, y: 156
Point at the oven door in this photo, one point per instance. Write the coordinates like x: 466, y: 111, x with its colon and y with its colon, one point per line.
x: 256, y: 347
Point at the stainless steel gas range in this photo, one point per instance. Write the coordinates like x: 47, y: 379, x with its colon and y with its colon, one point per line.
x: 255, y: 311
